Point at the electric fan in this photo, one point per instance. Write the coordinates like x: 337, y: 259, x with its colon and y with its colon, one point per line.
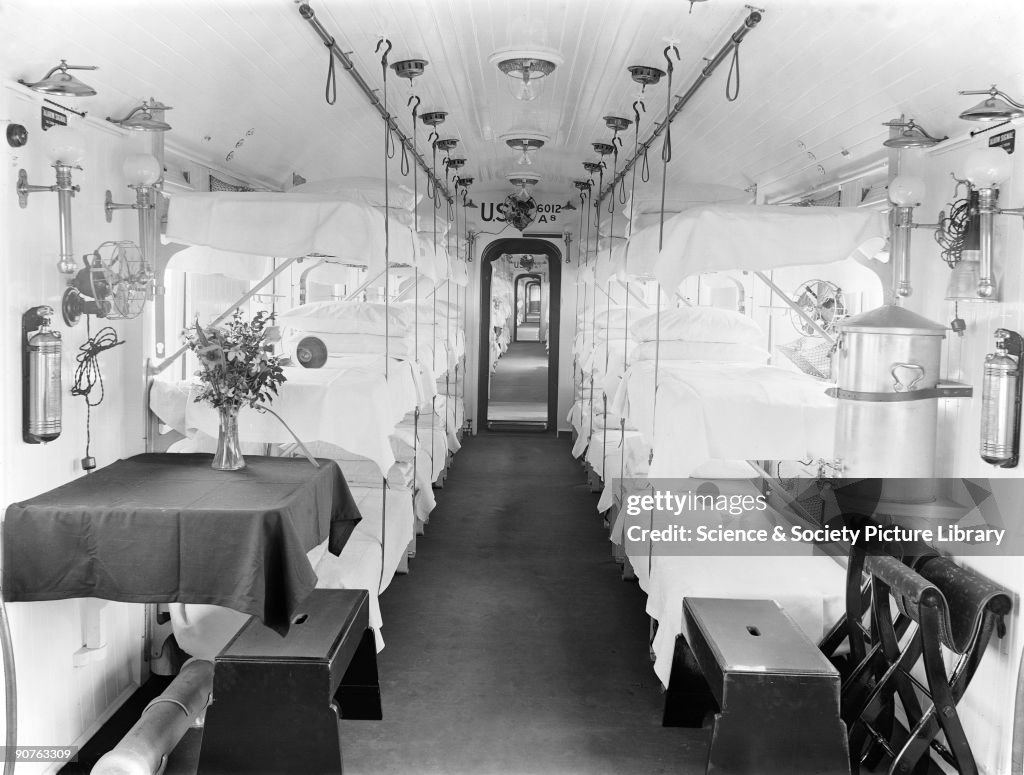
x: 114, y: 283
x: 823, y: 302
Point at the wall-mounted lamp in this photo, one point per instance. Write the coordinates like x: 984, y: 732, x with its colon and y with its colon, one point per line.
x: 63, y: 84
x: 142, y: 171
x: 66, y: 151
x: 141, y: 118
x: 447, y: 145
x: 905, y: 193
x: 911, y: 135
x: 986, y: 168
x: 997, y: 107
x: 526, y: 70
x: 434, y: 117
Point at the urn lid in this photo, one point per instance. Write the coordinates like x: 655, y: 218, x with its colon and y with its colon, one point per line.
x: 890, y: 319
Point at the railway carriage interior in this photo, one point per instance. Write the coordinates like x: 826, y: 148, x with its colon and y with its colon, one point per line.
x: 446, y: 386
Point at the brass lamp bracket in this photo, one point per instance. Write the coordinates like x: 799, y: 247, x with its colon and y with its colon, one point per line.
x: 109, y: 205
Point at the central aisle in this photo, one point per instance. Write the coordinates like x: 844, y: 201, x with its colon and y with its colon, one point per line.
x: 513, y: 646
x: 519, y: 385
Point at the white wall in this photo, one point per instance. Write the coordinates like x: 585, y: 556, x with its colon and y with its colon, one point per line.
x: 60, y: 704
x: 990, y: 700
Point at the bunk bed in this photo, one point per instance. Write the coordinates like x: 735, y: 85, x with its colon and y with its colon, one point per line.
x: 698, y: 405
x: 373, y: 401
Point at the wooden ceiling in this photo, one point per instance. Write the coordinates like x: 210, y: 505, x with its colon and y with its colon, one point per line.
x: 816, y: 79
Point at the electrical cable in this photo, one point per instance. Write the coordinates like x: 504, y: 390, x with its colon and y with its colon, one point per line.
x: 89, y: 376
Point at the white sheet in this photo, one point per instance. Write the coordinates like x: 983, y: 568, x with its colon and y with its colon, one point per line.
x: 726, y: 411
x: 285, y: 225
x: 353, y: 408
x: 757, y: 237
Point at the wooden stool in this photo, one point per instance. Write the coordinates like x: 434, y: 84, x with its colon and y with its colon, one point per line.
x: 277, y: 700
x: 778, y: 696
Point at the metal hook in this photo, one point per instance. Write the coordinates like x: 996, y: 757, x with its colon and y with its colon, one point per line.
x: 384, y: 56
x: 415, y: 108
x: 671, y: 66
x: 636, y: 113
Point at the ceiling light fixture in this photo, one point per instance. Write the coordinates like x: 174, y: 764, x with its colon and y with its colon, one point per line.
x: 63, y: 84
x: 526, y: 70
x: 645, y: 76
x: 911, y: 135
x: 998, y: 107
x: 447, y: 145
x: 434, y: 117
x: 141, y: 118
x: 617, y: 123
x: 603, y: 149
x: 524, y: 144
x: 593, y: 167
x: 409, y: 68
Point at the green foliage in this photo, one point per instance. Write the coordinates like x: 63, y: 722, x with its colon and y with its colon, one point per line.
x: 238, y: 364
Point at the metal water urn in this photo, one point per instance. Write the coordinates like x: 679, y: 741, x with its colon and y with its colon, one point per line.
x: 887, y: 364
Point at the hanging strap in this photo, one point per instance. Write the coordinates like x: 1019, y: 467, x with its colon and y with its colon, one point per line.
x: 331, y: 87
x: 734, y: 67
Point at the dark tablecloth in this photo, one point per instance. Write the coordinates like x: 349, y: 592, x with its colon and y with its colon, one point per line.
x: 161, y: 528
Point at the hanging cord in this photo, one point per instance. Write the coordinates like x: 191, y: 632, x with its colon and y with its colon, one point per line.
x: 593, y: 325
x: 952, y: 231
x: 645, y: 169
x: 734, y: 66
x: 331, y: 87
x: 88, y: 376
x: 666, y: 148
x: 431, y: 185
x: 387, y: 287
x: 414, y: 101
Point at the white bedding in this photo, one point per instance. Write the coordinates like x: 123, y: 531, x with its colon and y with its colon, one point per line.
x: 715, y: 238
x: 353, y: 408
x: 726, y: 411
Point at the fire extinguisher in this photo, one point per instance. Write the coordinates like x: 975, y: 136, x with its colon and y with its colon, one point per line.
x: 1001, y: 401
x: 41, y: 378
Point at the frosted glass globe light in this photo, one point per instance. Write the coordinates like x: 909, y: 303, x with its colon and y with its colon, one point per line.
x: 65, y: 146
x: 988, y: 167
x: 906, y: 191
x: 141, y: 169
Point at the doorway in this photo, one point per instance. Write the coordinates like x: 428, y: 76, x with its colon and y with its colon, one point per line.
x: 520, y: 291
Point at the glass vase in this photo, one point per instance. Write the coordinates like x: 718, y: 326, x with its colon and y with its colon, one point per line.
x: 229, y: 451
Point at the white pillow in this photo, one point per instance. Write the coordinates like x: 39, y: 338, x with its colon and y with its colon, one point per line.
x: 349, y: 317
x: 616, y: 318
x: 699, y: 324
x: 721, y: 352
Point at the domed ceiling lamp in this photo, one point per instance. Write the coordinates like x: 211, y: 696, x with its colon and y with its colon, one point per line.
x: 409, y: 68
x: 603, y: 149
x: 141, y: 118
x: 911, y: 135
x: 523, y: 181
x: 63, y: 84
x: 434, y: 118
x: 447, y: 145
x: 593, y: 167
x: 525, y: 70
x: 998, y: 107
x: 645, y: 76
x: 617, y: 123
x: 524, y: 144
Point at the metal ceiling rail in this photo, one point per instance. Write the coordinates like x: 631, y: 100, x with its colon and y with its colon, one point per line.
x: 309, y: 15
x: 749, y: 23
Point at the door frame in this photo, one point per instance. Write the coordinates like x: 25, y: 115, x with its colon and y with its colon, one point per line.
x: 491, y: 253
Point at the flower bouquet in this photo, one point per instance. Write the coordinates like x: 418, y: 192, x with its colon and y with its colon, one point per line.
x: 238, y: 369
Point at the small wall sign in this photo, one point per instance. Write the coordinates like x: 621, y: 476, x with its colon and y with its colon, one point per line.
x: 1004, y: 140
x: 53, y: 117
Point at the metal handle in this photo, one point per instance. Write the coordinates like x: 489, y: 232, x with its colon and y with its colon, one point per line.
x: 898, y: 384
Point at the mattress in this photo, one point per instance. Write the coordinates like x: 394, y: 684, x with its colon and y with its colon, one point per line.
x: 353, y: 408
x: 726, y: 411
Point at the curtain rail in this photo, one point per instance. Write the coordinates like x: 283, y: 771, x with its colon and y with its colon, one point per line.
x: 309, y: 15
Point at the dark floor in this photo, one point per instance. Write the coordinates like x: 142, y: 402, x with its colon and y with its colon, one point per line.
x: 513, y: 646
x: 519, y: 385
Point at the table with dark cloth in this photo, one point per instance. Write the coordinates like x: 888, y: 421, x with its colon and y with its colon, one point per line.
x: 160, y: 528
